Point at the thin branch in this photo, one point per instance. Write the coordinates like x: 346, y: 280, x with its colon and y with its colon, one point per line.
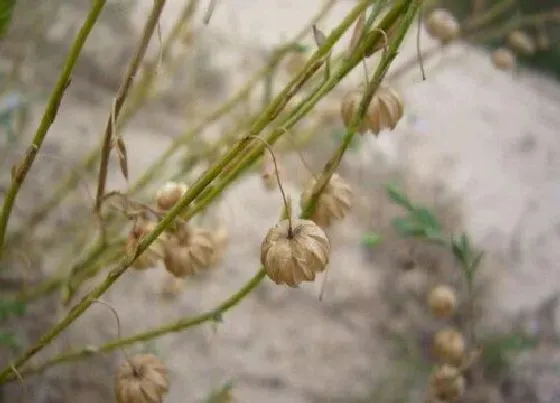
x: 122, y: 93
x: 48, y: 117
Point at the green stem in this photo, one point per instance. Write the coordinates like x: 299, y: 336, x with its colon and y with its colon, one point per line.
x: 48, y: 116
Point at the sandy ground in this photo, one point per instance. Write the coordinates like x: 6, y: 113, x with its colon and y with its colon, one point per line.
x: 489, y: 136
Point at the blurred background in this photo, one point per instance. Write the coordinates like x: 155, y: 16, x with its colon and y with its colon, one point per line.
x: 478, y: 146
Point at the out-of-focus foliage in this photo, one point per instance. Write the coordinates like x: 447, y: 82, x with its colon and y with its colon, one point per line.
x: 544, y: 60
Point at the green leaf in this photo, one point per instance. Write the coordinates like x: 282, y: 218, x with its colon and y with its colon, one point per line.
x: 300, y: 48
x: 9, y: 308
x: 476, y: 261
x: 406, y: 227
x: 398, y: 197
x: 457, y: 249
x: 426, y: 217
x: 6, y: 12
x: 8, y: 339
x: 371, y: 239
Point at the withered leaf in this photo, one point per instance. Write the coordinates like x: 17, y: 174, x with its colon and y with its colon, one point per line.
x: 122, y: 155
x: 318, y: 36
x: 357, y: 34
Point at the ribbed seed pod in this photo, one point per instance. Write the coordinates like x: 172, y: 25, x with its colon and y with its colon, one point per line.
x: 142, y: 380
x: 293, y: 258
x: 384, y: 112
x: 442, y: 301
x: 333, y: 203
x: 154, y: 252
x: 503, y: 59
x: 447, y: 383
x: 188, y: 252
x: 169, y: 194
x: 449, y: 346
x: 521, y: 43
x: 442, y: 25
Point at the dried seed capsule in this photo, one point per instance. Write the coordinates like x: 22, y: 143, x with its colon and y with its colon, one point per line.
x: 291, y: 258
x: 442, y: 25
x: 143, y: 379
x: 521, y: 43
x: 384, y: 112
x: 447, y: 383
x: 169, y: 194
x: 153, y: 253
x: 449, y: 346
x: 187, y: 253
x: 503, y: 59
x: 442, y: 301
x: 333, y: 203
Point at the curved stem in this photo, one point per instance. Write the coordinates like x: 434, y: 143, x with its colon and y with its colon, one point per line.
x: 20, y: 172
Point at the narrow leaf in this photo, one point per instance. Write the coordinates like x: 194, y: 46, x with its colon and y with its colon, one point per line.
x: 357, y: 34
x: 406, y: 227
x: 398, y: 197
x: 122, y: 155
x: 371, y: 239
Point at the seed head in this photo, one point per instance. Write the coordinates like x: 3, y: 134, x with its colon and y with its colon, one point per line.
x: 442, y: 25
x: 291, y: 258
x: 442, y: 301
x: 449, y: 346
x: 142, y: 380
x: 384, y: 112
x: 169, y: 194
x: 503, y: 59
x: 521, y: 43
x: 333, y: 203
x: 447, y: 383
x: 188, y: 252
x: 153, y: 253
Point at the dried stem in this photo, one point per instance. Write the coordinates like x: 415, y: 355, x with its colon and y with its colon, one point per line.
x: 408, y: 6
x: 48, y: 117
x: 277, y: 173
x: 122, y: 93
x: 210, y: 11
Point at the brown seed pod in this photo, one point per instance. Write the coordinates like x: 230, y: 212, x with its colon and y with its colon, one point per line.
x: 503, y: 59
x: 293, y: 257
x: 188, y: 252
x: 142, y: 379
x: 521, y: 43
x: 442, y: 25
x: 153, y: 253
x: 333, y: 203
x: 384, y: 112
x: 449, y: 346
x: 447, y: 383
x: 442, y: 301
x: 169, y: 194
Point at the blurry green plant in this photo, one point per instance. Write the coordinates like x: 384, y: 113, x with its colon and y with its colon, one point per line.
x: 6, y: 12
x: 8, y: 309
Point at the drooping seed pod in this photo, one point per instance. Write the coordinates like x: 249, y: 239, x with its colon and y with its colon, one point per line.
x: 384, y: 112
x: 442, y: 25
x: 521, y: 43
x: 169, y: 194
x: 172, y: 287
x: 143, y: 379
x: 188, y: 252
x: 442, y: 301
x: 291, y: 258
x: 447, y: 383
x: 449, y: 346
x: 503, y: 59
x: 333, y: 203
x: 153, y: 253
